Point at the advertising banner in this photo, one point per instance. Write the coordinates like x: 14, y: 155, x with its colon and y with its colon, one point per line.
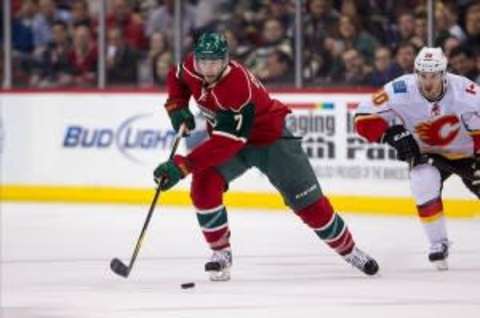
x: 116, y: 140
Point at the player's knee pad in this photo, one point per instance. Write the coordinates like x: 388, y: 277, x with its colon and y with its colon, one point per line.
x: 318, y: 214
x: 425, y: 183
x: 207, y: 189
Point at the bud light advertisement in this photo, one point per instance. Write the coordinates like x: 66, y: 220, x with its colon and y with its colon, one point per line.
x: 137, y: 138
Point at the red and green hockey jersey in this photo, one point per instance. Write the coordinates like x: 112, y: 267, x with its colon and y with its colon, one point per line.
x: 238, y: 109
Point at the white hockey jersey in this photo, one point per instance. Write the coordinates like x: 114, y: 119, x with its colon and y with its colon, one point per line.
x: 444, y: 127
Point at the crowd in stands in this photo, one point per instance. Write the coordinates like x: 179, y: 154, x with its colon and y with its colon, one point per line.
x: 345, y: 42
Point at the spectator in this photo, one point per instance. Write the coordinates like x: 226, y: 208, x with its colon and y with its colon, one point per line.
x: 43, y: 22
x: 472, y: 26
x: 238, y: 50
x: 273, y: 38
x: 375, y: 15
x: 446, y: 22
x: 356, y: 71
x: 384, y: 68
x: 419, y: 38
x: 83, y: 57
x: 22, y: 29
x: 462, y: 62
x: 131, y: 26
x: 81, y: 15
x: 161, y: 20
x: 321, y: 20
x: 282, y: 10
x: 121, y: 60
x: 206, y: 15
x: 161, y: 65
x: 352, y: 36
x: 158, y: 45
x: 278, y: 70
x: 405, y: 57
x: 449, y: 44
x: 54, y: 66
x: 404, y: 31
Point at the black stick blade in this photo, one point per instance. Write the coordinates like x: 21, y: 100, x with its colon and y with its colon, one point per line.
x: 119, y: 268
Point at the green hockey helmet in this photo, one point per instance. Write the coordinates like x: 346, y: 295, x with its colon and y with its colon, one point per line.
x: 211, y: 46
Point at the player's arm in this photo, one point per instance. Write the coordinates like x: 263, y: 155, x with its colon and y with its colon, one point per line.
x: 471, y: 118
x: 229, y: 135
x: 373, y: 116
x: 471, y: 122
x: 372, y: 121
x: 177, y: 100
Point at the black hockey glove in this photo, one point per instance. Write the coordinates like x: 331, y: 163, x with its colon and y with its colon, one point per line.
x: 404, y: 143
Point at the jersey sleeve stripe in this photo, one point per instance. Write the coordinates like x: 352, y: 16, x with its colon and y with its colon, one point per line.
x: 216, y: 100
x: 179, y: 68
x: 248, y: 84
x: 230, y: 136
x: 474, y: 133
x: 190, y: 73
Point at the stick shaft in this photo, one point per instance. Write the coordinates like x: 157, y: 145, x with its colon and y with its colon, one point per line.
x: 176, y: 142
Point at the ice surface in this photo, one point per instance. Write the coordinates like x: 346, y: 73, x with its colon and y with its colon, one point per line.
x: 55, y: 263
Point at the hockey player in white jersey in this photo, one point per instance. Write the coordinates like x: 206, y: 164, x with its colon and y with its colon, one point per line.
x: 429, y: 114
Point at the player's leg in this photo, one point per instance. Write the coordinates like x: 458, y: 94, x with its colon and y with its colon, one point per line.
x: 426, y: 185
x: 207, y: 197
x: 289, y: 170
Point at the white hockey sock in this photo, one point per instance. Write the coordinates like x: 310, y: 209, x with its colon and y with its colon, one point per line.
x: 436, y: 230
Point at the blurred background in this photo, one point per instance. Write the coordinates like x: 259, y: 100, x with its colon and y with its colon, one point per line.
x: 64, y: 44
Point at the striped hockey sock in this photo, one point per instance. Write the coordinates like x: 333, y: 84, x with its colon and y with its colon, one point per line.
x: 337, y: 235
x: 433, y: 220
x: 328, y: 226
x: 214, y: 224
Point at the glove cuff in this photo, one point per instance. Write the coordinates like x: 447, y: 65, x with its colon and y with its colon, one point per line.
x: 172, y: 105
x: 182, y: 165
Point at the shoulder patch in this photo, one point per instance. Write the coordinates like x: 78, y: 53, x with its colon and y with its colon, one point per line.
x: 399, y: 87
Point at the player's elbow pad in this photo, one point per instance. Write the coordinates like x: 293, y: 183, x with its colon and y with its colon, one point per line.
x: 371, y: 128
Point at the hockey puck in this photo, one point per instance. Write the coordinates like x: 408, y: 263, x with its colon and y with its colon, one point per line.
x: 187, y: 285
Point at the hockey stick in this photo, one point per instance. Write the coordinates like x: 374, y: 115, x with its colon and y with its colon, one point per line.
x: 117, y: 266
x: 443, y: 164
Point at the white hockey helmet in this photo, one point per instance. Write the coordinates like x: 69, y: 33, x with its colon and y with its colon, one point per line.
x: 431, y: 60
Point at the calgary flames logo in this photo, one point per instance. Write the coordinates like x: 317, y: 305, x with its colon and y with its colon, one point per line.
x: 439, y: 132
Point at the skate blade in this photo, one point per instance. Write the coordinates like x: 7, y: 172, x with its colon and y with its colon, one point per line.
x: 219, y: 276
x: 441, y: 265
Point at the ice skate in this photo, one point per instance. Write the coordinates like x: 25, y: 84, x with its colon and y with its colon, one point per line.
x: 219, y: 265
x: 359, y: 259
x: 438, y: 255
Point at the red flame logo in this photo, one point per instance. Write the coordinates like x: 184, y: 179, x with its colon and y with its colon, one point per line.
x: 439, y: 132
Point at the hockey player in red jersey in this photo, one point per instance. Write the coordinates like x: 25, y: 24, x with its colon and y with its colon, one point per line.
x: 429, y: 114
x: 247, y: 129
